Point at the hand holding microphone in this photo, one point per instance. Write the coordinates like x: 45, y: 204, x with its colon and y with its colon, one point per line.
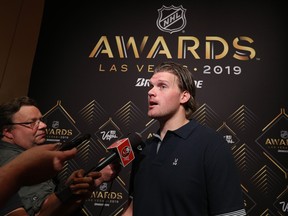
x: 123, y: 150
x: 120, y: 151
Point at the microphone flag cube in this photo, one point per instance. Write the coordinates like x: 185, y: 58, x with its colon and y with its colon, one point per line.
x: 124, y: 150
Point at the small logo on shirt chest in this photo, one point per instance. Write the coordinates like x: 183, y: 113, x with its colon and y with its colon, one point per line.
x: 175, y: 162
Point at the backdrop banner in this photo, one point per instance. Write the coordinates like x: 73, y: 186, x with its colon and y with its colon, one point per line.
x: 92, y: 67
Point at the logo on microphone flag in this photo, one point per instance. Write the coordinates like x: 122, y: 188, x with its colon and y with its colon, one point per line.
x: 124, y: 150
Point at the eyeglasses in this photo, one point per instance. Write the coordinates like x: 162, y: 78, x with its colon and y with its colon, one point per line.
x: 32, y: 124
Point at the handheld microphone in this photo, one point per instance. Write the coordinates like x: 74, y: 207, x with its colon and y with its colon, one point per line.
x: 122, y: 149
x: 74, y: 143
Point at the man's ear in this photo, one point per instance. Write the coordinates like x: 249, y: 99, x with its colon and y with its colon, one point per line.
x: 185, y: 97
x: 7, y: 133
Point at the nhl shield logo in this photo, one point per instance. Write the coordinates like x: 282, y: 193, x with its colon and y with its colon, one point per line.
x: 171, y: 19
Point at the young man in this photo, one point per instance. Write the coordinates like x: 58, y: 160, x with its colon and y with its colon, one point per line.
x: 186, y: 168
x: 22, y: 128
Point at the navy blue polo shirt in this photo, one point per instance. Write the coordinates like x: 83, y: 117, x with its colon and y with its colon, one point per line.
x: 193, y: 173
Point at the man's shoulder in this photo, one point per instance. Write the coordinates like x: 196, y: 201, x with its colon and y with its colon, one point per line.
x: 8, y: 152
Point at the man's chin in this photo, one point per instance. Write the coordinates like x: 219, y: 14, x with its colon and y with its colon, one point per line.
x: 41, y: 141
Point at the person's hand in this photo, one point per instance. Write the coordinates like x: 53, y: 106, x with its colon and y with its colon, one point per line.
x: 42, y: 162
x: 82, y: 186
x: 109, y: 173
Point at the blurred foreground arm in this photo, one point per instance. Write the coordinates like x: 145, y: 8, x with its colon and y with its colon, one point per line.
x: 43, y: 160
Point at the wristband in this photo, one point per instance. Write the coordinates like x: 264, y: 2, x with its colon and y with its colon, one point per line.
x: 64, y: 195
